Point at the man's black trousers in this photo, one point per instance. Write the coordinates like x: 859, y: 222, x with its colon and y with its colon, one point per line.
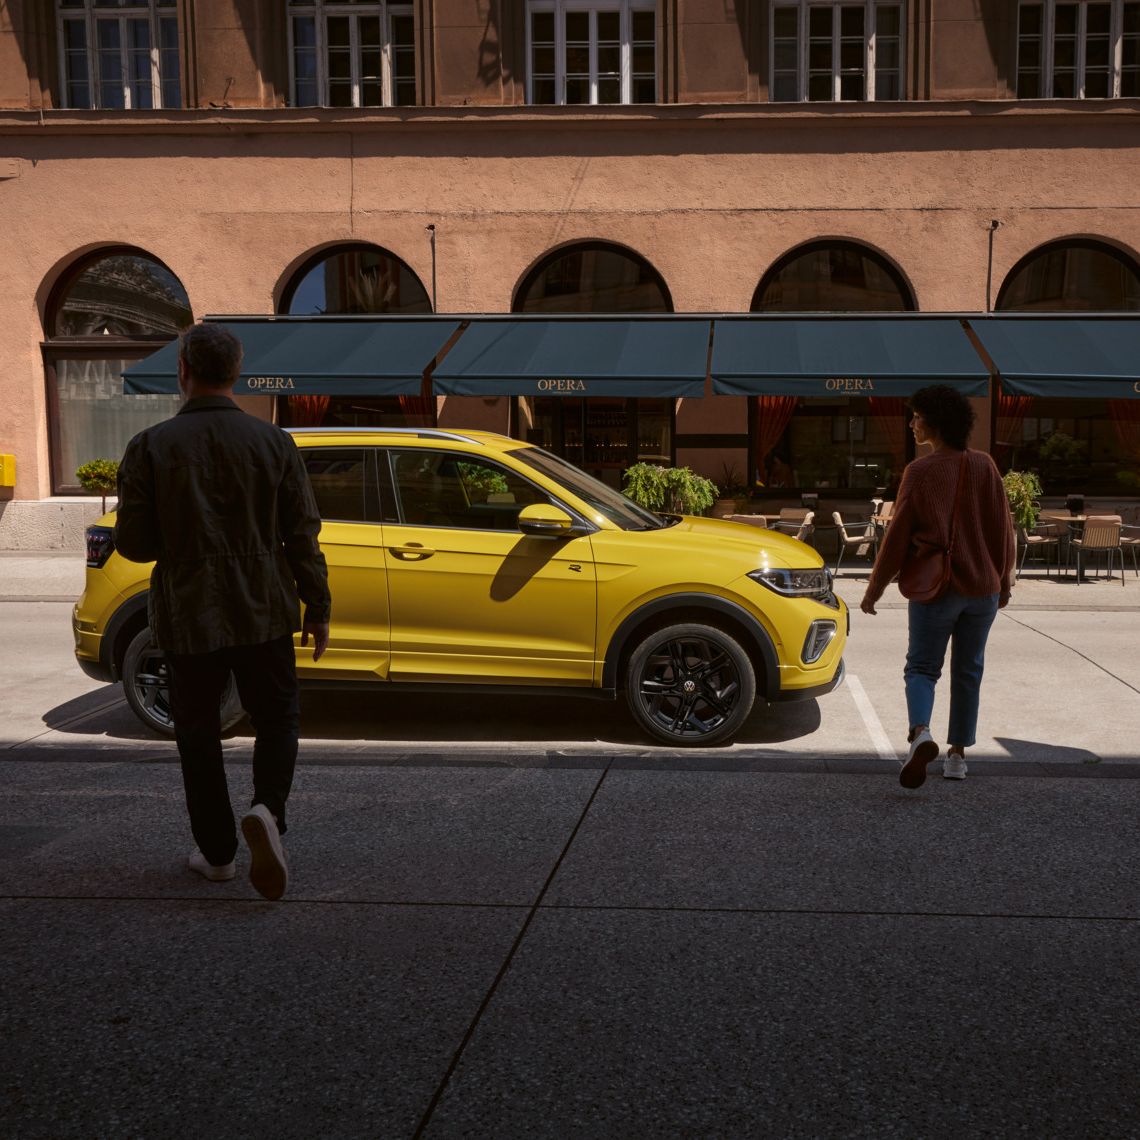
x: 266, y: 677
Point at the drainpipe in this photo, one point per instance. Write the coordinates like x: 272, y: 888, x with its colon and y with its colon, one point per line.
x: 994, y: 223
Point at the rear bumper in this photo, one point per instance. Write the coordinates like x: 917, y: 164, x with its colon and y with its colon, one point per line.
x: 814, y: 691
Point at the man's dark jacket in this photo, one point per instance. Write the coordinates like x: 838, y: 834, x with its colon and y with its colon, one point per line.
x: 220, y: 501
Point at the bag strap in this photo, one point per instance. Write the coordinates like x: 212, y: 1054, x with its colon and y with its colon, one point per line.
x: 957, y: 500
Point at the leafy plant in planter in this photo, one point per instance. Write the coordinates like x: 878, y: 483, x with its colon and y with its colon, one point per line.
x: 98, y: 477
x: 1023, y: 489
x: 677, y: 489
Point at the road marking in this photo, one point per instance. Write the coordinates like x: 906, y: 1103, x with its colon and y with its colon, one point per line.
x: 875, y: 729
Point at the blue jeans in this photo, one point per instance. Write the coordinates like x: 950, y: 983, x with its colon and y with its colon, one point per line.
x: 963, y: 623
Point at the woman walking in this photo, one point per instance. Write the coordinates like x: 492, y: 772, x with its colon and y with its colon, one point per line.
x: 950, y: 541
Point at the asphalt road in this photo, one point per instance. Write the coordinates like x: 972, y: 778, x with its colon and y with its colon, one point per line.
x: 515, y: 918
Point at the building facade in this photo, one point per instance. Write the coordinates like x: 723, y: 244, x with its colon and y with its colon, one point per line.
x: 167, y: 159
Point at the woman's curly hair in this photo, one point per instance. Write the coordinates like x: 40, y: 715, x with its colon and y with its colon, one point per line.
x: 947, y: 412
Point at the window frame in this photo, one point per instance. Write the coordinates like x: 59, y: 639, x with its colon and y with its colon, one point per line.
x: 1047, y: 52
x: 803, y: 44
x: 91, y: 16
x: 319, y: 11
x: 559, y: 9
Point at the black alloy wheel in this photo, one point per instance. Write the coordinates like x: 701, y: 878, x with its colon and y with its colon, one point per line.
x: 146, y: 685
x: 690, y: 685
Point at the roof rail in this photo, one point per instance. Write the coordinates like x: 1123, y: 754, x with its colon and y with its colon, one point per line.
x: 419, y: 433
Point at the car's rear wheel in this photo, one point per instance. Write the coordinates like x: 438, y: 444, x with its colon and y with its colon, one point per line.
x: 690, y: 685
x: 146, y: 685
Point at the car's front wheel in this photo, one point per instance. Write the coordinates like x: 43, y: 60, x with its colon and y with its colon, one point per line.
x: 146, y: 685
x: 690, y: 685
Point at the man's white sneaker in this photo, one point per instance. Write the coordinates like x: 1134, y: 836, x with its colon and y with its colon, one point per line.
x: 216, y: 874
x: 922, y: 751
x: 268, y: 872
x: 954, y: 767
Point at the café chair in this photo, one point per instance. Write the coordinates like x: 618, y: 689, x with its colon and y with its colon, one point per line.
x: 1101, y: 535
x: 1131, y: 541
x: 795, y: 521
x: 863, y: 540
x: 1043, y: 537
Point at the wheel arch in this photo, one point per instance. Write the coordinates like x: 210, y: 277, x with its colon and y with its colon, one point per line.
x: 125, y: 622
x: 706, y: 608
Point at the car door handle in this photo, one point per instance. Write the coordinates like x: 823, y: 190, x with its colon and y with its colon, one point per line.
x: 411, y: 552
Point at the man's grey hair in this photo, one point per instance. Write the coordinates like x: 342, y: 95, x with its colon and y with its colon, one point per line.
x: 212, y: 355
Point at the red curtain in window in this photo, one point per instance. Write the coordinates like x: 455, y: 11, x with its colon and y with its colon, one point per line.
x: 423, y: 406
x: 773, y: 416
x: 1011, y: 411
x: 890, y: 411
x: 1125, y: 416
x: 308, y: 411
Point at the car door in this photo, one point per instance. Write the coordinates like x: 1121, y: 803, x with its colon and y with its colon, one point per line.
x: 344, y: 483
x: 471, y: 598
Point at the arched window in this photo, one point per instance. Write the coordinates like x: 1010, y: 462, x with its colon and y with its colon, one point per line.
x: 111, y: 309
x: 348, y: 280
x: 1090, y: 445
x: 1067, y: 275
x: 356, y: 278
x: 833, y: 277
x: 602, y: 434
x: 837, y: 442
x: 593, y: 277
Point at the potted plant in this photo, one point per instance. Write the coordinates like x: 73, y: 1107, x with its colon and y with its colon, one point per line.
x: 1023, y: 490
x: 98, y: 477
x: 677, y: 489
x: 733, y: 494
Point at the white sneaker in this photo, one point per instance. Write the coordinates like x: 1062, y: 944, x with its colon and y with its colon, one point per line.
x: 216, y: 874
x: 954, y: 767
x: 268, y: 872
x: 922, y: 751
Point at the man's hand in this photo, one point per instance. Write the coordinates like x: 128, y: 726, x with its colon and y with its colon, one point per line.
x: 867, y: 605
x: 319, y: 630
x: 1003, y: 600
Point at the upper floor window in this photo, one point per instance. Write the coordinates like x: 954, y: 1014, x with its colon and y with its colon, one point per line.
x: 1082, y: 49
x: 352, y: 54
x: 119, y: 54
x: 592, y: 51
x: 832, y: 52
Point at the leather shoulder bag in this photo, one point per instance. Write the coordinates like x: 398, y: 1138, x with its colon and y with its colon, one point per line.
x: 925, y: 574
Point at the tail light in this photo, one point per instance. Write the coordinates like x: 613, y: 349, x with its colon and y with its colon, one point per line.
x: 100, y: 545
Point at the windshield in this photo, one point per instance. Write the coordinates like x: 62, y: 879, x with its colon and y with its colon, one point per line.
x: 607, y: 502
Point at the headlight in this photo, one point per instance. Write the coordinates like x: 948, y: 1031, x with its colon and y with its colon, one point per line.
x: 814, y: 583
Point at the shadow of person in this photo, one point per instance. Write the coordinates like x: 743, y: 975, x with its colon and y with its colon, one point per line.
x: 527, y: 558
x: 1038, y: 752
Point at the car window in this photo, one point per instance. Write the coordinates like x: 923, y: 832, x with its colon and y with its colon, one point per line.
x: 343, y: 483
x: 607, y: 502
x: 439, y: 488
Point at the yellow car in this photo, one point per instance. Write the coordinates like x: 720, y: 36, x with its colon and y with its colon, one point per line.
x: 464, y: 559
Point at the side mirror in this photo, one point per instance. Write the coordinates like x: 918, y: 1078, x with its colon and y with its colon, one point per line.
x: 544, y: 520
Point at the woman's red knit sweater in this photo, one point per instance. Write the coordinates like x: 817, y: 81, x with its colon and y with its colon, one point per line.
x: 984, y: 550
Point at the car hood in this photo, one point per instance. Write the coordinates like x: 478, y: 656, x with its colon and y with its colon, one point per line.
x: 781, y: 549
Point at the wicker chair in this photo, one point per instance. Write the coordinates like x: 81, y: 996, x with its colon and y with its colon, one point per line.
x: 1043, y: 537
x: 864, y: 539
x: 1100, y: 536
x: 1130, y: 540
x: 795, y: 521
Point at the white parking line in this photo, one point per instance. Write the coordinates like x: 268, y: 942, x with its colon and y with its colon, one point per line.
x: 875, y: 729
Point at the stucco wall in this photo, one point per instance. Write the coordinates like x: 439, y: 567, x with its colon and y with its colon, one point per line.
x: 711, y: 196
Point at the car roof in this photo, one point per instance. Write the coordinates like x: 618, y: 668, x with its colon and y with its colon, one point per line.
x: 311, y: 436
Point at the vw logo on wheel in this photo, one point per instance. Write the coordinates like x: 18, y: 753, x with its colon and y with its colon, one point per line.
x: 690, y: 686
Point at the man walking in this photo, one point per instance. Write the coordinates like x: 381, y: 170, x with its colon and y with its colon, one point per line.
x: 220, y: 501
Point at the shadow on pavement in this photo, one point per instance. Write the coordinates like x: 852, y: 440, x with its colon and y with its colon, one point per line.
x: 1037, y: 752
x: 440, y: 718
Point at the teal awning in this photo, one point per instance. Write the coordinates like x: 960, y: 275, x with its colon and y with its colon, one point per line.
x: 1064, y: 356
x: 842, y: 356
x: 600, y: 357
x: 321, y: 356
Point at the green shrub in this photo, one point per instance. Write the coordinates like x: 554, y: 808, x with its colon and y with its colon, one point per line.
x: 98, y: 477
x: 674, y: 489
x: 1023, y: 489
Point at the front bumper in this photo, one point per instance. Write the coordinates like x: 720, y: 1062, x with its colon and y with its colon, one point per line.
x: 814, y: 691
